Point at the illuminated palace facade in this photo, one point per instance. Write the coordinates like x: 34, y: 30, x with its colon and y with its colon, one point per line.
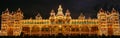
x: 106, y: 23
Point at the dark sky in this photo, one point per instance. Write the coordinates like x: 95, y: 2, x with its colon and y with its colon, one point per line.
x: 32, y: 7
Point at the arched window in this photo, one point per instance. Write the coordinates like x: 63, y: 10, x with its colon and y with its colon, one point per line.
x: 84, y: 29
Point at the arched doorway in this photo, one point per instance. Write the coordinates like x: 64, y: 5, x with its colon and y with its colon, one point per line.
x: 26, y: 29
x: 35, y: 29
x: 10, y: 31
x: 110, y: 30
x: 94, y: 28
x: 84, y: 29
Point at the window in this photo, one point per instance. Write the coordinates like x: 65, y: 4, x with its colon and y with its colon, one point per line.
x: 45, y: 29
x: 116, y: 20
x: 3, y: 20
x: 72, y: 29
x: 103, y: 20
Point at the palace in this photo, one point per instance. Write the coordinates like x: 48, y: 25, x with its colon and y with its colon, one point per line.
x: 106, y: 23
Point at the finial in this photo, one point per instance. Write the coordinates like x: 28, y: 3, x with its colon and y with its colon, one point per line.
x: 60, y: 6
x: 108, y: 12
x: 6, y: 9
x: 19, y: 9
x: 67, y: 11
x: 81, y: 13
x: 38, y: 14
x: 101, y: 10
x: 113, y: 10
x: 81, y: 16
x: 52, y: 11
x: 60, y: 13
x: 12, y: 13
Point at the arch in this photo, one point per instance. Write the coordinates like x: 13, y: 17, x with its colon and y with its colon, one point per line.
x: 94, y: 28
x: 85, y: 29
x: 35, y: 29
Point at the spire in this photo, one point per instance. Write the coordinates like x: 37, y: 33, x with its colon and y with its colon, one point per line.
x: 19, y: 9
x: 12, y: 13
x: 60, y: 7
x: 6, y: 11
x: 52, y: 12
x: 113, y: 10
x: 107, y: 12
x: 101, y: 10
x: 67, y: 12
x: 60, y: 13
x: 81, y: 16
x: 38, y: 16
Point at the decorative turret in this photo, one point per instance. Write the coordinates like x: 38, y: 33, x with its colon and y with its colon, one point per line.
x: 67, y: 13
x: 81, y: 16
x: 52, y: 16
x: 6, y: 11
x: 12, y: 13
x: 113, y: 10
x: 19, y: 9
x: 52, y: 13
x: 101, y: 11
x: 67, y: 16
x: 60, y: 13
x: 19, y: 14
x: 5, y: 15
x: 107, y: 12
x: 38, y: 17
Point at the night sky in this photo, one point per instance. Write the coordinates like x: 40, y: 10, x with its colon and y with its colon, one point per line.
x: 31, y: 7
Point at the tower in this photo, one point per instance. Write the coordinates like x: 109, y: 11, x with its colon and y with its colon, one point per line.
x: 67, y: 16
x: 18, y: 16
x: 109, y: 23
x: 81, y: 16
x: 60, y: 12
x: 5, y: 21
x: 38, y: 17
x: 114, y: 18
x: 102, y: 19
x: 52, y: 16
x: 60, y: 19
